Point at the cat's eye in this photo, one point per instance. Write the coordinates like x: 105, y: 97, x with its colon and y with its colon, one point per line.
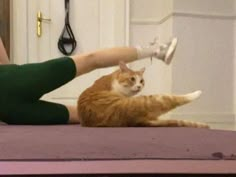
x: 132, y: 79
x: 142, y: 81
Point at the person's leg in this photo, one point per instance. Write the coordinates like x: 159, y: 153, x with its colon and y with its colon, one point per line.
x: 73, y: 114
x: 23, y: 112
x: 31, y: 81
x: 3, y: 54
x: 112, y: 56
x: 25, y: 84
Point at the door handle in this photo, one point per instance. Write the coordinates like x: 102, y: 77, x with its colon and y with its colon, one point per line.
x: 40, y: 19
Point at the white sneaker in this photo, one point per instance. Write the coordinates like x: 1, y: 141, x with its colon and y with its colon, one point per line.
x: 166, y: 52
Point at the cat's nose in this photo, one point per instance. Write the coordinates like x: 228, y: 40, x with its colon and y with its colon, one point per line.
x: 138, y: 87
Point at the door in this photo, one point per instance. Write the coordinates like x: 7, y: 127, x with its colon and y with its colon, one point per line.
x: 96, y: 24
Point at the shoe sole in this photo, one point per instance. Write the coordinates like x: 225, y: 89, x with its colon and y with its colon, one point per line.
x: 170, y: 53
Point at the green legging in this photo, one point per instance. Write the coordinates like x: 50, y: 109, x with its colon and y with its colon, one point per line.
x: 21, y: 87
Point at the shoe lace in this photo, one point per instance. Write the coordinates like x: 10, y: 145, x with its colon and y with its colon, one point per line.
x: 156, y: 41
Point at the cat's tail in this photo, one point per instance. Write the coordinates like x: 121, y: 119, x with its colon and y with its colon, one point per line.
x: 174, y: 123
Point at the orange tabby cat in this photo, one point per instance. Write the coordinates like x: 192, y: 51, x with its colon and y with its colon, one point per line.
x: 109, y: 103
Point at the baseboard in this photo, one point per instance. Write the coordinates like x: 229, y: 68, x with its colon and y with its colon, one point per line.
x: 224, y: 121
x: 206, y: 117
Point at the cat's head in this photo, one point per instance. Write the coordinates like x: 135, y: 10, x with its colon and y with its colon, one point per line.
x: 128, y: 82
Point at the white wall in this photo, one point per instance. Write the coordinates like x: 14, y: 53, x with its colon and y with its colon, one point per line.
x: 146, y: 23
x: 151, y: 9
x: 222, y: 7
x: 204, y: 58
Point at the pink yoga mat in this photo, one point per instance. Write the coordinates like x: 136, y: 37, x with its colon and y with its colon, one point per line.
x: 72, y: 142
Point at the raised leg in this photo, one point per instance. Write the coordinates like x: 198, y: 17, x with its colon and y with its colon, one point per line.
x: 103, y: 58
x: 112, y: 56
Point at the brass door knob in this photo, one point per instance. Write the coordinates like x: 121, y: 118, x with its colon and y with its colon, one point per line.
x: 40, y: 19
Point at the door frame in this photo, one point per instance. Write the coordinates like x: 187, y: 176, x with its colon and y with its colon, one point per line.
x: 114, y: 25
x: 19, y: 31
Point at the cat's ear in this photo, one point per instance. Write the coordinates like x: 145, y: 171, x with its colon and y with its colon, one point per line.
x: 142, y: 70
x: 123, y: 67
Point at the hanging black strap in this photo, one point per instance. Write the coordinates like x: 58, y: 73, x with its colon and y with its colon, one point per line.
x: 67, y: 43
